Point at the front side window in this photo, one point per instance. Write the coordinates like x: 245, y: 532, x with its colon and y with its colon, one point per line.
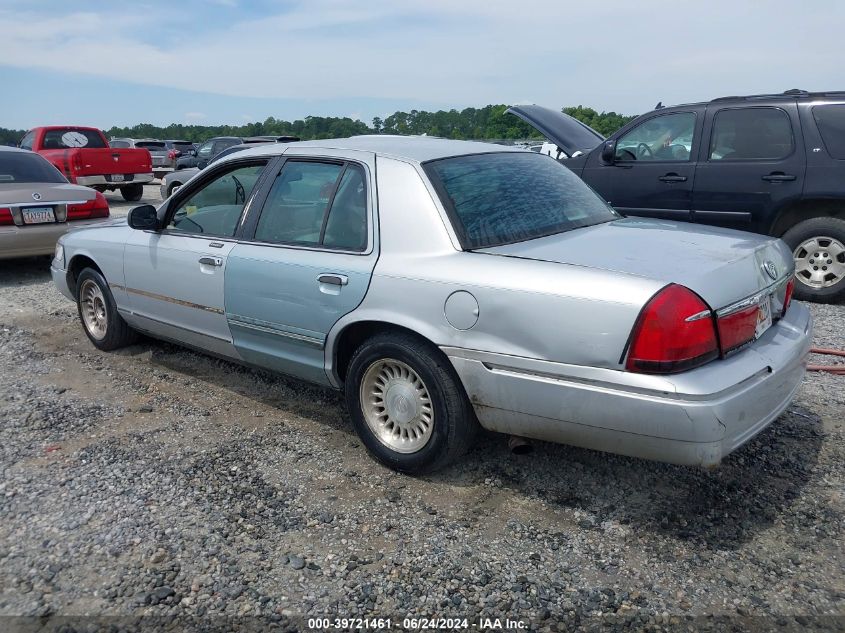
x: 316, y: 204
x: 665, y: 138
x: 758, y: 133
x: 20, y: 167
x: 204, y: 150
x: 502, y: 198
x: 830, y: 120
x: 217, y: 207
x: 26, y: 141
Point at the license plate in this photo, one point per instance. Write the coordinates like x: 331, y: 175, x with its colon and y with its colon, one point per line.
x: 764, y: 317
x: 117, y: 178
x: 38, y: 215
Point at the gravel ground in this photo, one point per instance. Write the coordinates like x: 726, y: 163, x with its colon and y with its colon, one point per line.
x: 158, y: 482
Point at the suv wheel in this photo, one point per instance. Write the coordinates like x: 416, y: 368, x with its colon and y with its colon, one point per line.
x: 407, y: 404
x: 818, y: 246
x: 132, y: 193
x: 101, y: 321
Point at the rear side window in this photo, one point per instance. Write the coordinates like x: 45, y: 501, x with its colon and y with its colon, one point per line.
x: 23, y: 167
x: 316, y: 204
x: 830, y: 120
x: 502, y: 198
x: 70, y: 138
x: 751, y: 134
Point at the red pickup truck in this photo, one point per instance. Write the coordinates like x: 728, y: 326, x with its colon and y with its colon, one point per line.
x: 83, y: 155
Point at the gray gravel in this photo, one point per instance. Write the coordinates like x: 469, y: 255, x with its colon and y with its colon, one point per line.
x: 159, y: 482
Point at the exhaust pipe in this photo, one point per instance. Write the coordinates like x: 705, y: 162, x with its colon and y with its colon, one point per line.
x: 519, y: 445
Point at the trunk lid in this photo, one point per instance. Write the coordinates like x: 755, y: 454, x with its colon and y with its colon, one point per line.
x: 15, y: 194
x: 721, y: 265
x: 111, y: 160
x: 568, y: 133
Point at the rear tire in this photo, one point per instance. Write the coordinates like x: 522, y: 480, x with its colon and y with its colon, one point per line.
x: 818, y: 245
x: 407, y: 403
x: 102, y: 323
x: 132, y: 193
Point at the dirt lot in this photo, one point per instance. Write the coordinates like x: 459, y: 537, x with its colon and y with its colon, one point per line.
x: 160, y: 482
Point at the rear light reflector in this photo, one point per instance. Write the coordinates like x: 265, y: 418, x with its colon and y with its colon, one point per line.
x: 674, y: 332
x: 96, y: 208
x: 787, y: 297
x: 6, y: 216
x: 737, y: 328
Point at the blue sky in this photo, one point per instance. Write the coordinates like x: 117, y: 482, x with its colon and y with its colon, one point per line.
x: 230, y: 61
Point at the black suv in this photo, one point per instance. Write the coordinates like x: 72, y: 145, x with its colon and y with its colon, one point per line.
x: 773, y: 164
x: 202, y: 155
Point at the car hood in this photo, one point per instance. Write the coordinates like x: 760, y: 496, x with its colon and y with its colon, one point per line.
x: 568, y: 133
x: 721, y: 265
x: 22, y: 193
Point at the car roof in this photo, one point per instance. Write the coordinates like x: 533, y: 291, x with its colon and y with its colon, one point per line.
x: 789, y: 95
x: 410, y: 148
x: 8, y: 148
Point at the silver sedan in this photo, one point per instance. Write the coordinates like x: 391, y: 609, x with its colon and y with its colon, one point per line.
x: 38, y: 205
x: 446, y: 286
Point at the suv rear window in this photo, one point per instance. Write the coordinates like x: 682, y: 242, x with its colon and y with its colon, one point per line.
x: 830, y: 120
x: 70, y: 138
x: 502, y: 198
x: 151, y: 145
x: 24, y: 167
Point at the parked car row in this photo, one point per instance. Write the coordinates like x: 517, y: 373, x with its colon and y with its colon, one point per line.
x: 446, y: 285
x: 165, y: 154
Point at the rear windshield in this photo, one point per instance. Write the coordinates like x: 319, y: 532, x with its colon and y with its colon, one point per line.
x: 502, y: 198
x: 151, y: 144
x: 182, y: 144
x: 24, y: 167
x: 831, y: 122
x: 63, y: 139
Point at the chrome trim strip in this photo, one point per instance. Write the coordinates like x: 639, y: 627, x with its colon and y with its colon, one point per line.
x: 698, y: 316
x: 173, y: 325
x: 310, y: 340
x: 153, y: 295
x: 43, y: 203
x: 755, y: 298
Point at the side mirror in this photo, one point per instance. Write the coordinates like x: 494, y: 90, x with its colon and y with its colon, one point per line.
x: 608, y: 152
x: 143, y: 218
x: 193, y: 152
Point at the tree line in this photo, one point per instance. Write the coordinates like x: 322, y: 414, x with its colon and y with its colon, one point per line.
x: 489, y: 122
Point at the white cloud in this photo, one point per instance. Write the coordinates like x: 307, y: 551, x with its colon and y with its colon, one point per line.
x: 614, y: 54
x: 193, y: 117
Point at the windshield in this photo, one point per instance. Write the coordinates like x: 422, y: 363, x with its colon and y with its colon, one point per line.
x: 25, y: 167
x: 502, y: 198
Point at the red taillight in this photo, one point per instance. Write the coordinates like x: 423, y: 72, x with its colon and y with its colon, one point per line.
x: 76, y: 163
x: 787, y: 297
x: 673, y: 333
x: 6, y: 216
x: 738, y: 328
x: 96, y: 208
x: 174, y: 154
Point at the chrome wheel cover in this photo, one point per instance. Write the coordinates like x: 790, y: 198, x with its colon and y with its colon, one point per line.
x: 93, y: 308
x: 820, y: 262
x: 397, y: 406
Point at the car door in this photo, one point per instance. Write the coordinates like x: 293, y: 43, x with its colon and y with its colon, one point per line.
x: 753, y: 163
x: 306, y: 260
x: 653, y: 168
x: 174, y: 277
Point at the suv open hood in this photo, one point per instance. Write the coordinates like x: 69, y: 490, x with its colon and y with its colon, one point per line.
x: 568, y: 133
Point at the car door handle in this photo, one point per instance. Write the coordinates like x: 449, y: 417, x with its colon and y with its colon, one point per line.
x: 333, y: 278
x: 672, y: 178
x: 211, y: 261
x: 778, y: 176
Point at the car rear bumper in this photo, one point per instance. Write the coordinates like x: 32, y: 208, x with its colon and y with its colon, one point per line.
x: 90, y: 181
x: 38, y: 239
x: 694, y: 418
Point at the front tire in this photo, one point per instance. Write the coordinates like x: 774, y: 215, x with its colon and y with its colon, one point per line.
x: 407, y: 403
x: 818, y: 246
x: 132, y: 193
x: 98, y: 313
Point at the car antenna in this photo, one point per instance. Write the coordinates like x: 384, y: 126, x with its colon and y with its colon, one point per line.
x: 659, y: 105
